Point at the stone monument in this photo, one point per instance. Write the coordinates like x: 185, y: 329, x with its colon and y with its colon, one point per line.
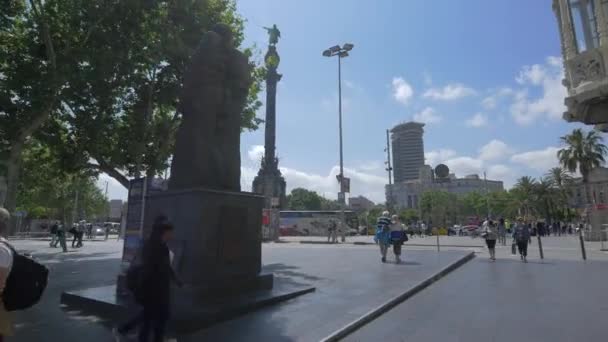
x: 217, y: 247
x: 218, y: 228
x: 269, y: 181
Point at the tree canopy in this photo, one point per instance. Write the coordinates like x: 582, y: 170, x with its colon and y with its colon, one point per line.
x: 98, y: 81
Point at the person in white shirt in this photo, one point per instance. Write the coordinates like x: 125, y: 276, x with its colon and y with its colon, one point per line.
x: 6, y: 262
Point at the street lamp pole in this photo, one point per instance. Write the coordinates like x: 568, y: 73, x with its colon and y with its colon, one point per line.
x: 340, y: 52
x: 343, y: 198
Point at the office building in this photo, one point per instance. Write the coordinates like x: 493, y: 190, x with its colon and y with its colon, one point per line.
x: 408, y: 151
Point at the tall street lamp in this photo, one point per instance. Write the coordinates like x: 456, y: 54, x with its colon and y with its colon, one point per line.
x: 341, y: 52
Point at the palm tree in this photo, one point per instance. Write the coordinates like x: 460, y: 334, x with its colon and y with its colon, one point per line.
x: 544, y: 197
x: 561, y: 180
x: 523, y: 194
x: 583, y: 152
x: 559, y: 177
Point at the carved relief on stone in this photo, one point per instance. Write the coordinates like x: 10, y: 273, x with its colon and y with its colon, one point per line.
x: 586, y: 67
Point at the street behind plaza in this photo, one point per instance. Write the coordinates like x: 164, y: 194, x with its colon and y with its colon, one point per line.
x: 560, y: 298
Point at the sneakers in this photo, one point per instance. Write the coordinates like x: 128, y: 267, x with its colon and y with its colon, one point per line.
x: 383, y: 259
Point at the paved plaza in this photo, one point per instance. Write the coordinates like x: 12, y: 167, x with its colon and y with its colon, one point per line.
x: 560, y: 298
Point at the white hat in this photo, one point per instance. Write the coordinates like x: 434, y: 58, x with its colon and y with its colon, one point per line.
x: 385, y: 213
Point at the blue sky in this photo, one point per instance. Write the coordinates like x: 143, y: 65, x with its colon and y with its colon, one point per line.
x: 484, y: 75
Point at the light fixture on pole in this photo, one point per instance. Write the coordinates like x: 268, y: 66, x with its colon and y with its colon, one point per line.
x: 341, y: 52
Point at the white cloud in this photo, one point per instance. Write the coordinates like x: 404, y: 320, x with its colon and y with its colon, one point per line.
x: 451, y: 91
x: 463, y: 166
x: 369, y: 165
x: 362, y: 183
x: 494, y: 150
x: 539, y: 160
x: 428, y: 116
x: 402, y: 91
x: 427, y: 78
x: 526, y: 110
x: 477, y: 120
x: 255, y: 153
x: 438, y: 156
x: 503, y: 173
x: 247, y: 176
x: 491, y: 101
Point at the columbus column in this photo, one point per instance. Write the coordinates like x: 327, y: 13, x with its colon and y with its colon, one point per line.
x: 269, y: 181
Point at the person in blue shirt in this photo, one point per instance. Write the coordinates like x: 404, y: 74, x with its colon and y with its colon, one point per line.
x: 383, y: 234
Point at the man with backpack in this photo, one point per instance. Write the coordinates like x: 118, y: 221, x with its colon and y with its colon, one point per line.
x: 22, y: 280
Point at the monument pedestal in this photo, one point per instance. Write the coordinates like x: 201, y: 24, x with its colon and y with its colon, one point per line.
x: 217, y: 253
x: 217, y: 239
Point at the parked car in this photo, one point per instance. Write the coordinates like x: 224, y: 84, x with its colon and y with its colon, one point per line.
x: 352, y: 232
x: 99, y: 231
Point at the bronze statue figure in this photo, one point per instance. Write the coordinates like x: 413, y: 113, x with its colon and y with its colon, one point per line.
x: 216, y: 84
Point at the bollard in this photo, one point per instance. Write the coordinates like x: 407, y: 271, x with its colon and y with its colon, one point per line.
x: 437, y: 241
x: 540, y: 247
x: 580, y: 237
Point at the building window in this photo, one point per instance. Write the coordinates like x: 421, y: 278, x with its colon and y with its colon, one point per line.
x: 602, y: 199
x: 584, y: 24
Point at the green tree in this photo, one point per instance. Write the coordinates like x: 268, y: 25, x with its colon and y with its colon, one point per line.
x: 104, y: 75
x: 545, y: 198
x: 134, y: 93
x: 582, y: 152
x: 409, y: 215
x: 302, y: 199
x: 439, y: 208
x: 523, y: 195
x: 561, y: 180
x: 46, y: 191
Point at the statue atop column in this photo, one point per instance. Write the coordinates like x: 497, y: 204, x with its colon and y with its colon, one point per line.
x: 273, y: 34
x: 269, y: 181
x: 214, y: 93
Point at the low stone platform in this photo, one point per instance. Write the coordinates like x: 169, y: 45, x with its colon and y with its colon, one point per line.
x: 187, y: 316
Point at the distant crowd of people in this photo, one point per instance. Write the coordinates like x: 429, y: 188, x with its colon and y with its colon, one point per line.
x: 58, y: 233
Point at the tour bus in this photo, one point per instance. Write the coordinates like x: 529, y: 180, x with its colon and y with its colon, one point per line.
x: 314, y: 223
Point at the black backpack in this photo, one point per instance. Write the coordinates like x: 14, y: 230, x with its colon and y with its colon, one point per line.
x: 25, y: 283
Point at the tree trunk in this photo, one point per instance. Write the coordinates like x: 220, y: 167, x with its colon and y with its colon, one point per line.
x: 110, y: 171
x: 13, y: 167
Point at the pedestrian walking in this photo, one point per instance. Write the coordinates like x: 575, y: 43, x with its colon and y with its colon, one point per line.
x: 502, y: 231
x: 77, y: 231
x: 332, y: 232
x: 398, y: 236
x: 90, y: 231
x: 490, y: 233
x: 153, y: 291
x: 107, y: 228
x: 383, y: 236
x: 521, y: 235
x: 54, y: 234
x: 61, y: 233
